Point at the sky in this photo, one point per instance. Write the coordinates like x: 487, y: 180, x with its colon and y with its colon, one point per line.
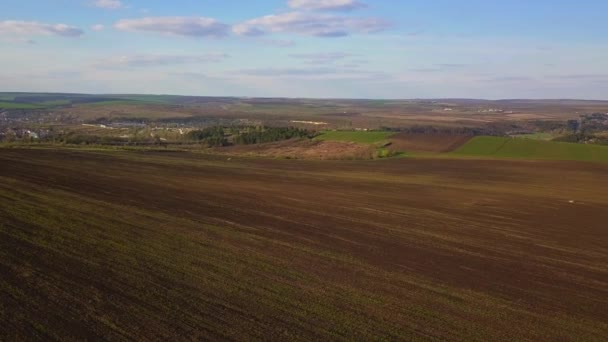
x: 308, y: 48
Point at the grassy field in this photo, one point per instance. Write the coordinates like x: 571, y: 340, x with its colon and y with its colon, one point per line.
x: 7, y: 104
x: 160, y: 99
x: 14, y: 105
x: 532, y: 149
x: 55, y: 103
x: 111, y: 103
x: 361, y: 137
x: 39, y: 101
x: 157, y: 246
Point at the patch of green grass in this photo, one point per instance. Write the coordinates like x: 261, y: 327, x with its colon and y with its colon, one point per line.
x: 110, y: 103
x: 532, y: 149
x: 158, y: 99
x: 383, y: 153
x: 15, y: 105
x: 8, y: 104
x: 361, y: 137
x: 53, y: 103
x: 127, y: 101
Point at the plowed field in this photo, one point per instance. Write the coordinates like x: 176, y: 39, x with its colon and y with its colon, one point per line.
x: 174, y: 246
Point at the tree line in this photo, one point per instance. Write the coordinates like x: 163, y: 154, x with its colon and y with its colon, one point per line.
x: 259, y: 135
x: 220, y: 136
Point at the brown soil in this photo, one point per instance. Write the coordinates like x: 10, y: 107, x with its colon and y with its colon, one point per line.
x: 122, y: 246
x: 427, y: 142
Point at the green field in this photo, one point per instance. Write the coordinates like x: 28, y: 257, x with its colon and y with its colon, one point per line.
x: 158, y: 99
x: 110, y: 103
x: 532, y: 149
x: 44, y: 100
x: 356, y: 137
x: 14, y: 105
x: 55, y: 103
x: 7, y: 103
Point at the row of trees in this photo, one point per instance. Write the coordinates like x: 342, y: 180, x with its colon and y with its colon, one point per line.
x: 585, y: 129
x: 583, y: 138
x: 219, y: 136
x: 418, y: 129
x: 588, y: 124
x: 258, y: 135
x: 212, y: 136
x: 216, y: 136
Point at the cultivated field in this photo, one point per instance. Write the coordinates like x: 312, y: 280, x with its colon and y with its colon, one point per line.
x: 532, y: 149
x: 361, y: 137
x: 151, y: 246
x: 419, y: 142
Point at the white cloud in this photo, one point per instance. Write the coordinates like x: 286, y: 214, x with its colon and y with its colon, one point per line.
x: 109, y: 4
x: 311, y: 24
x: 28, y: 28
x: 327, y: 5
x: 159, y: 60
x: 179, y: 26
x: 97, y: 27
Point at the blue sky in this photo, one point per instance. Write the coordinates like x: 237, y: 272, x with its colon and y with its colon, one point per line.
x: 308, y: 48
